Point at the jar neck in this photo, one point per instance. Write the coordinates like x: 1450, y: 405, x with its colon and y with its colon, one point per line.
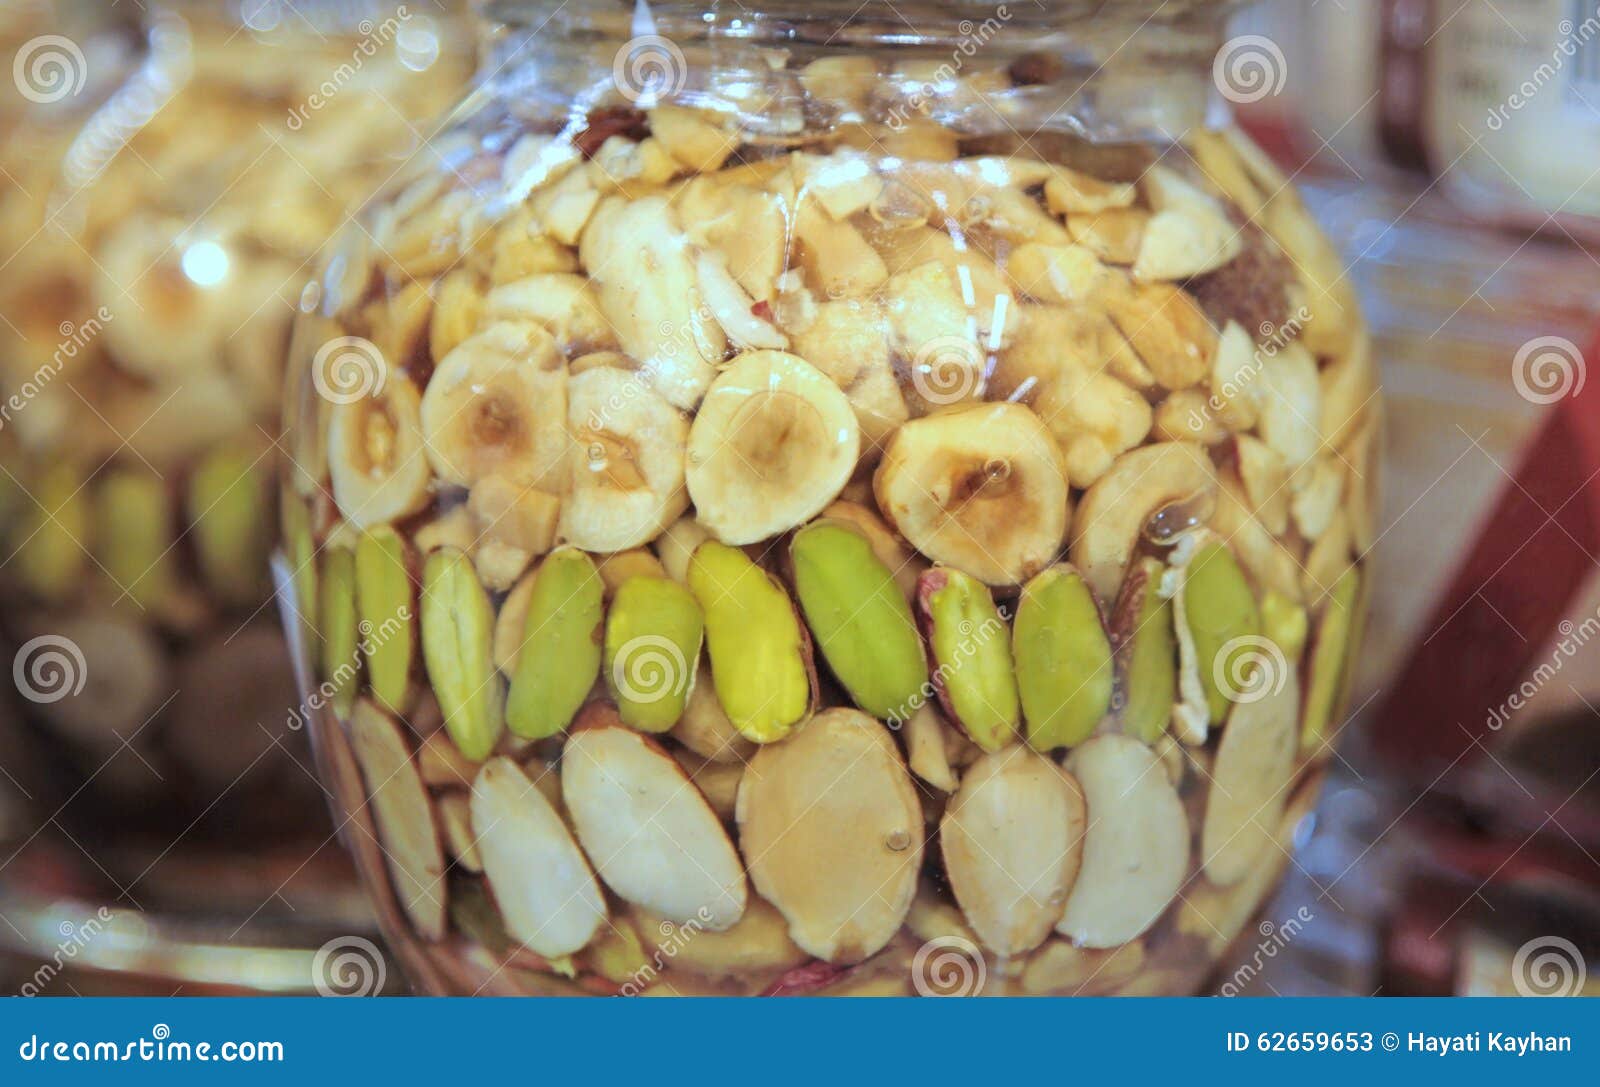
x: 1107, y: 70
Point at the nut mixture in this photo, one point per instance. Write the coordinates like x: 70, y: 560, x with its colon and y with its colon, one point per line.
x: 759, y: 560
x: 154, y: 250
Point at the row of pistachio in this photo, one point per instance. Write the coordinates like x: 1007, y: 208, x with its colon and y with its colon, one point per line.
x: 1184, y: 642
x: 130, y: 528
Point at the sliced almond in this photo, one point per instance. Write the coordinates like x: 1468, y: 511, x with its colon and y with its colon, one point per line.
x: 1188, y: 235
x: 747, y: 226
x: 830, y: 826
x: 657, y: 317
x: 1263, y: 555
x: 1170, y: 333
x: 927, y: 751
x: 774, y: 442
x: 1252, y: 773
x: 1332, y: 327
x: 1328, y: 559
x: 733, y: 308
x: 404, y: 817
x: 1349, y: 391
x: 838, y: 260
x: 1056, y: 273
x: 565, y: 305
x: 1136, y: 849
x: 442, y: 766
x: 1266, y: 482
x: 1095, y: 417
x: 541, y: 881
x: 655, y: 840
x: 676, y: 546
x: 455, y: 817
x: 458, y: 305
x: 1012, y: 839
x: 758, y: 944
x: 563, y: 209
x: 1068, y: 192
x: 1222, y: 167
x: 696, y: 138
x: 842, y: 183
x: 849, y: 341
x: 718, y: 782
x: 705, y: 729
x: 635, y: 169
x: 1113, y: 235
x: 1318, y: 488
x: 1290, y: 402
x: 1234, y: 375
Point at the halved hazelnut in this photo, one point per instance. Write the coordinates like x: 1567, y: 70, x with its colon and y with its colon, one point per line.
x: 1115, y: 511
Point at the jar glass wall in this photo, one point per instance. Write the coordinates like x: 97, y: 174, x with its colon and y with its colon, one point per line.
x: 792, y: 496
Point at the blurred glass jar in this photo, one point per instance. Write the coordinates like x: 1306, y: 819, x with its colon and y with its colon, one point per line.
x: 1501, y: 103
x: 789, y: 504
x: 155, y: 249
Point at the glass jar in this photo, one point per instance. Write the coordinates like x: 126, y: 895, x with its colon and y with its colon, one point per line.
x: 154, y: 250
x: 829, y: 499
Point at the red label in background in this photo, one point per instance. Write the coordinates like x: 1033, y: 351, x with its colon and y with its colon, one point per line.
x: 1538, y: 549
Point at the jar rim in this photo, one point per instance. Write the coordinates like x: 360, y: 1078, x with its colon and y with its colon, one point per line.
x: 916, y: 20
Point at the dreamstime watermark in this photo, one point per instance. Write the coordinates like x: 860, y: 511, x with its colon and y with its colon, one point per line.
x: 1574, y: 636
x: 949, y: 966
x: 674, y: 938
x: 1573, y: 38
x: 649, y: 668
x: 1249, y: 68
x: 649, y: 68
x: 1249, y: 668
x: 947, y: 369
x: 1274, y: 938
x: 49, y: 668
x: 1549, y: 966
x: 49, y: 68
x: 347, y: 369
x: 1273, y: 340
x: 374, y: 36
x: 74, y: 939
x: 1548, y: 368
x: 75, y: 338
x: 349, y: 966
x: 373, y: 637
x: 974, y: 36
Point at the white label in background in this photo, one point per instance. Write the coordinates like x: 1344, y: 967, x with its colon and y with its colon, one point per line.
x: 1514, y: 101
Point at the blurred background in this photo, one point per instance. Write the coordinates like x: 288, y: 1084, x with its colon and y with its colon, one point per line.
x: 1450, y: 147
